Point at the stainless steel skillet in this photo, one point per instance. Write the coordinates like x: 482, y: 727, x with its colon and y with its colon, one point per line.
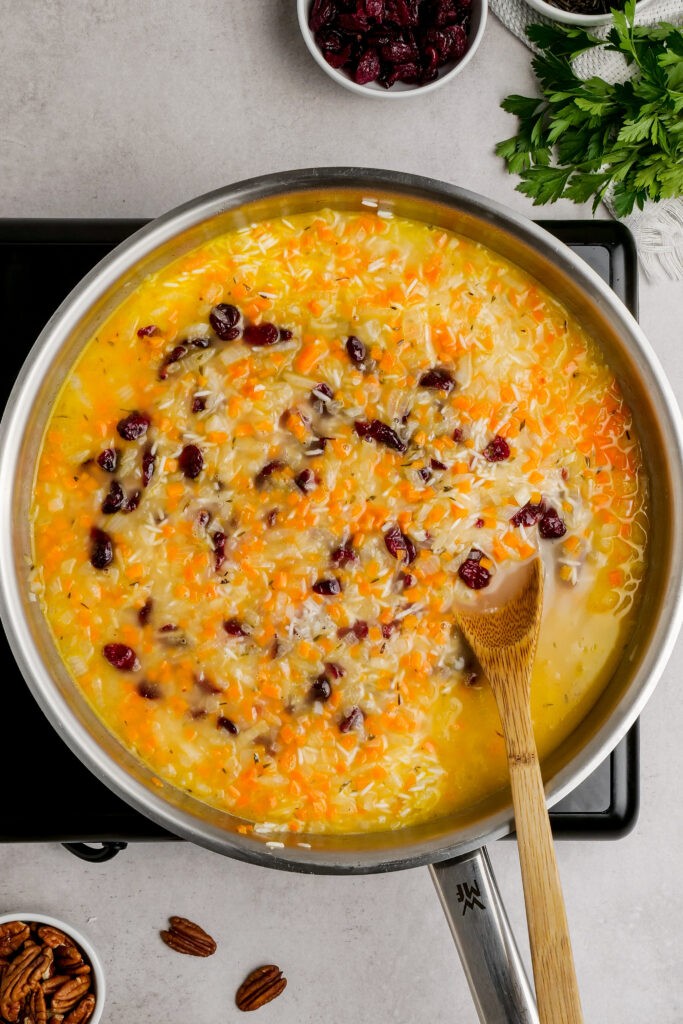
x: 452, y: 845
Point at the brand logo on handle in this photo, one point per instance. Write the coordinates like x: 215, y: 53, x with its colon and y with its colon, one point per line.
x: 469, y: 896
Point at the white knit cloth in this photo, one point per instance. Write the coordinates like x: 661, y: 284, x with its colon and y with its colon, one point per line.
x: 658, y: 228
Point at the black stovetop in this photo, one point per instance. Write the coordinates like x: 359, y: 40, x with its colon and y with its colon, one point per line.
x: 40, y: 261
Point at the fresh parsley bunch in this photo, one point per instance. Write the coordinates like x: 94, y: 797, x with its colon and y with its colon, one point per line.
x: 596, y: 135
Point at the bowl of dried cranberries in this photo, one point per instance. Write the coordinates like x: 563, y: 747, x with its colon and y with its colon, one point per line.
x: 392, y: 49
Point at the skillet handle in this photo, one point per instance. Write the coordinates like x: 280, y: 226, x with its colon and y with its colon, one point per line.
x: 476, y: 916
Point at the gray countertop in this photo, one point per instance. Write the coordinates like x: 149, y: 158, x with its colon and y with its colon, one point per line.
x: 125, y: 109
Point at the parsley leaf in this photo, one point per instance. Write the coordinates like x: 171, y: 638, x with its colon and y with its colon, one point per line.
x: 580, y: 138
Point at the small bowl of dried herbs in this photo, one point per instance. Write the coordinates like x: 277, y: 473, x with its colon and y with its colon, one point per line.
x: 581, y: 12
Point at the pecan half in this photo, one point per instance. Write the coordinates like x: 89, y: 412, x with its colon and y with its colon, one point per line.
x: 12, y: 935
x: 260, y: 987
x: 52, y: 937
x: 71, y: 992
x: 83, y: 1012
x: 24, y: 973
x: 34, y: 1010
x: 186, y: 937
x: 69, y: 960
x: 53, y: 983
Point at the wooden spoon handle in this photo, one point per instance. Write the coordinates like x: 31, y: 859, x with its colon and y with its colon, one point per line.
x: 557, y: 992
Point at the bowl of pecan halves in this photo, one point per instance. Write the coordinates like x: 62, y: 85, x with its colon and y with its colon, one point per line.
x: 49, y: 972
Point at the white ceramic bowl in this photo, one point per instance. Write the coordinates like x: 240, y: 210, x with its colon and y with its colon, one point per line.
x: 99, y: 987
x: 400, y: 90
x: 568, y: 18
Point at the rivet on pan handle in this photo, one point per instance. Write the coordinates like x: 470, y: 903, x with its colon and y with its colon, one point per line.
x: 476, y: 916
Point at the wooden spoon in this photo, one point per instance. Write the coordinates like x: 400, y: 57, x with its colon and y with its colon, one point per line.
x: 504, y: 641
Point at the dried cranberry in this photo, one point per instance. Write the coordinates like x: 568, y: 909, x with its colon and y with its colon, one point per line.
x: 101, y: 549
x: 354, y: 22
x: 438, y: 379
x: 199, y: 403
x: 133, y: 426
x: 411, y: 551
x: 271, y: 517
x: 397, y: 542
x: 203, y: 517
x: 306, y: 481
x: 458, y: 435
x: 398, y: 51
x: 441, y: 40
x: 169, y: 627
x: 528, y: 514
x: 408, y: 580
x: 233, y: 627
x: 497, y: 450
x: 121, y: 657
x: 352, y: 720
x: 435, y: 464
x: 321, y: 12
x: 343, y: 556
x: 150, y: 691
x: 446, y: 12
x: 479, y: 523
x: 551, y: 526
x: 356, y: 350
x: 430, y: 64
x: 473, y: 573
x: 360, y: 629
x: 191, y: 461
x: 389, y: 628
x: 174, y: 356
x: 114, y: 500
x: 267, y: 471
x: 148, y: 331
x: 381, y: 433
x: 225, y: 319
x: 205, y: 684
x: 321, y: 689
x: 108, y: 459
x: 318, y: 446
x: 227, y: 723
x: 131, y: 502
x: 411, y: 73
x: 317, y: 399
x: 199, y: 342
x: 219, y: 549
x: 335, y: 48
x: 450, y: 41
x: 148, y: 464
x: 145, y: 612
x: 334, y: 670
x: 425, y: 474
x: 259, y: 335
x: 327, y: 586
